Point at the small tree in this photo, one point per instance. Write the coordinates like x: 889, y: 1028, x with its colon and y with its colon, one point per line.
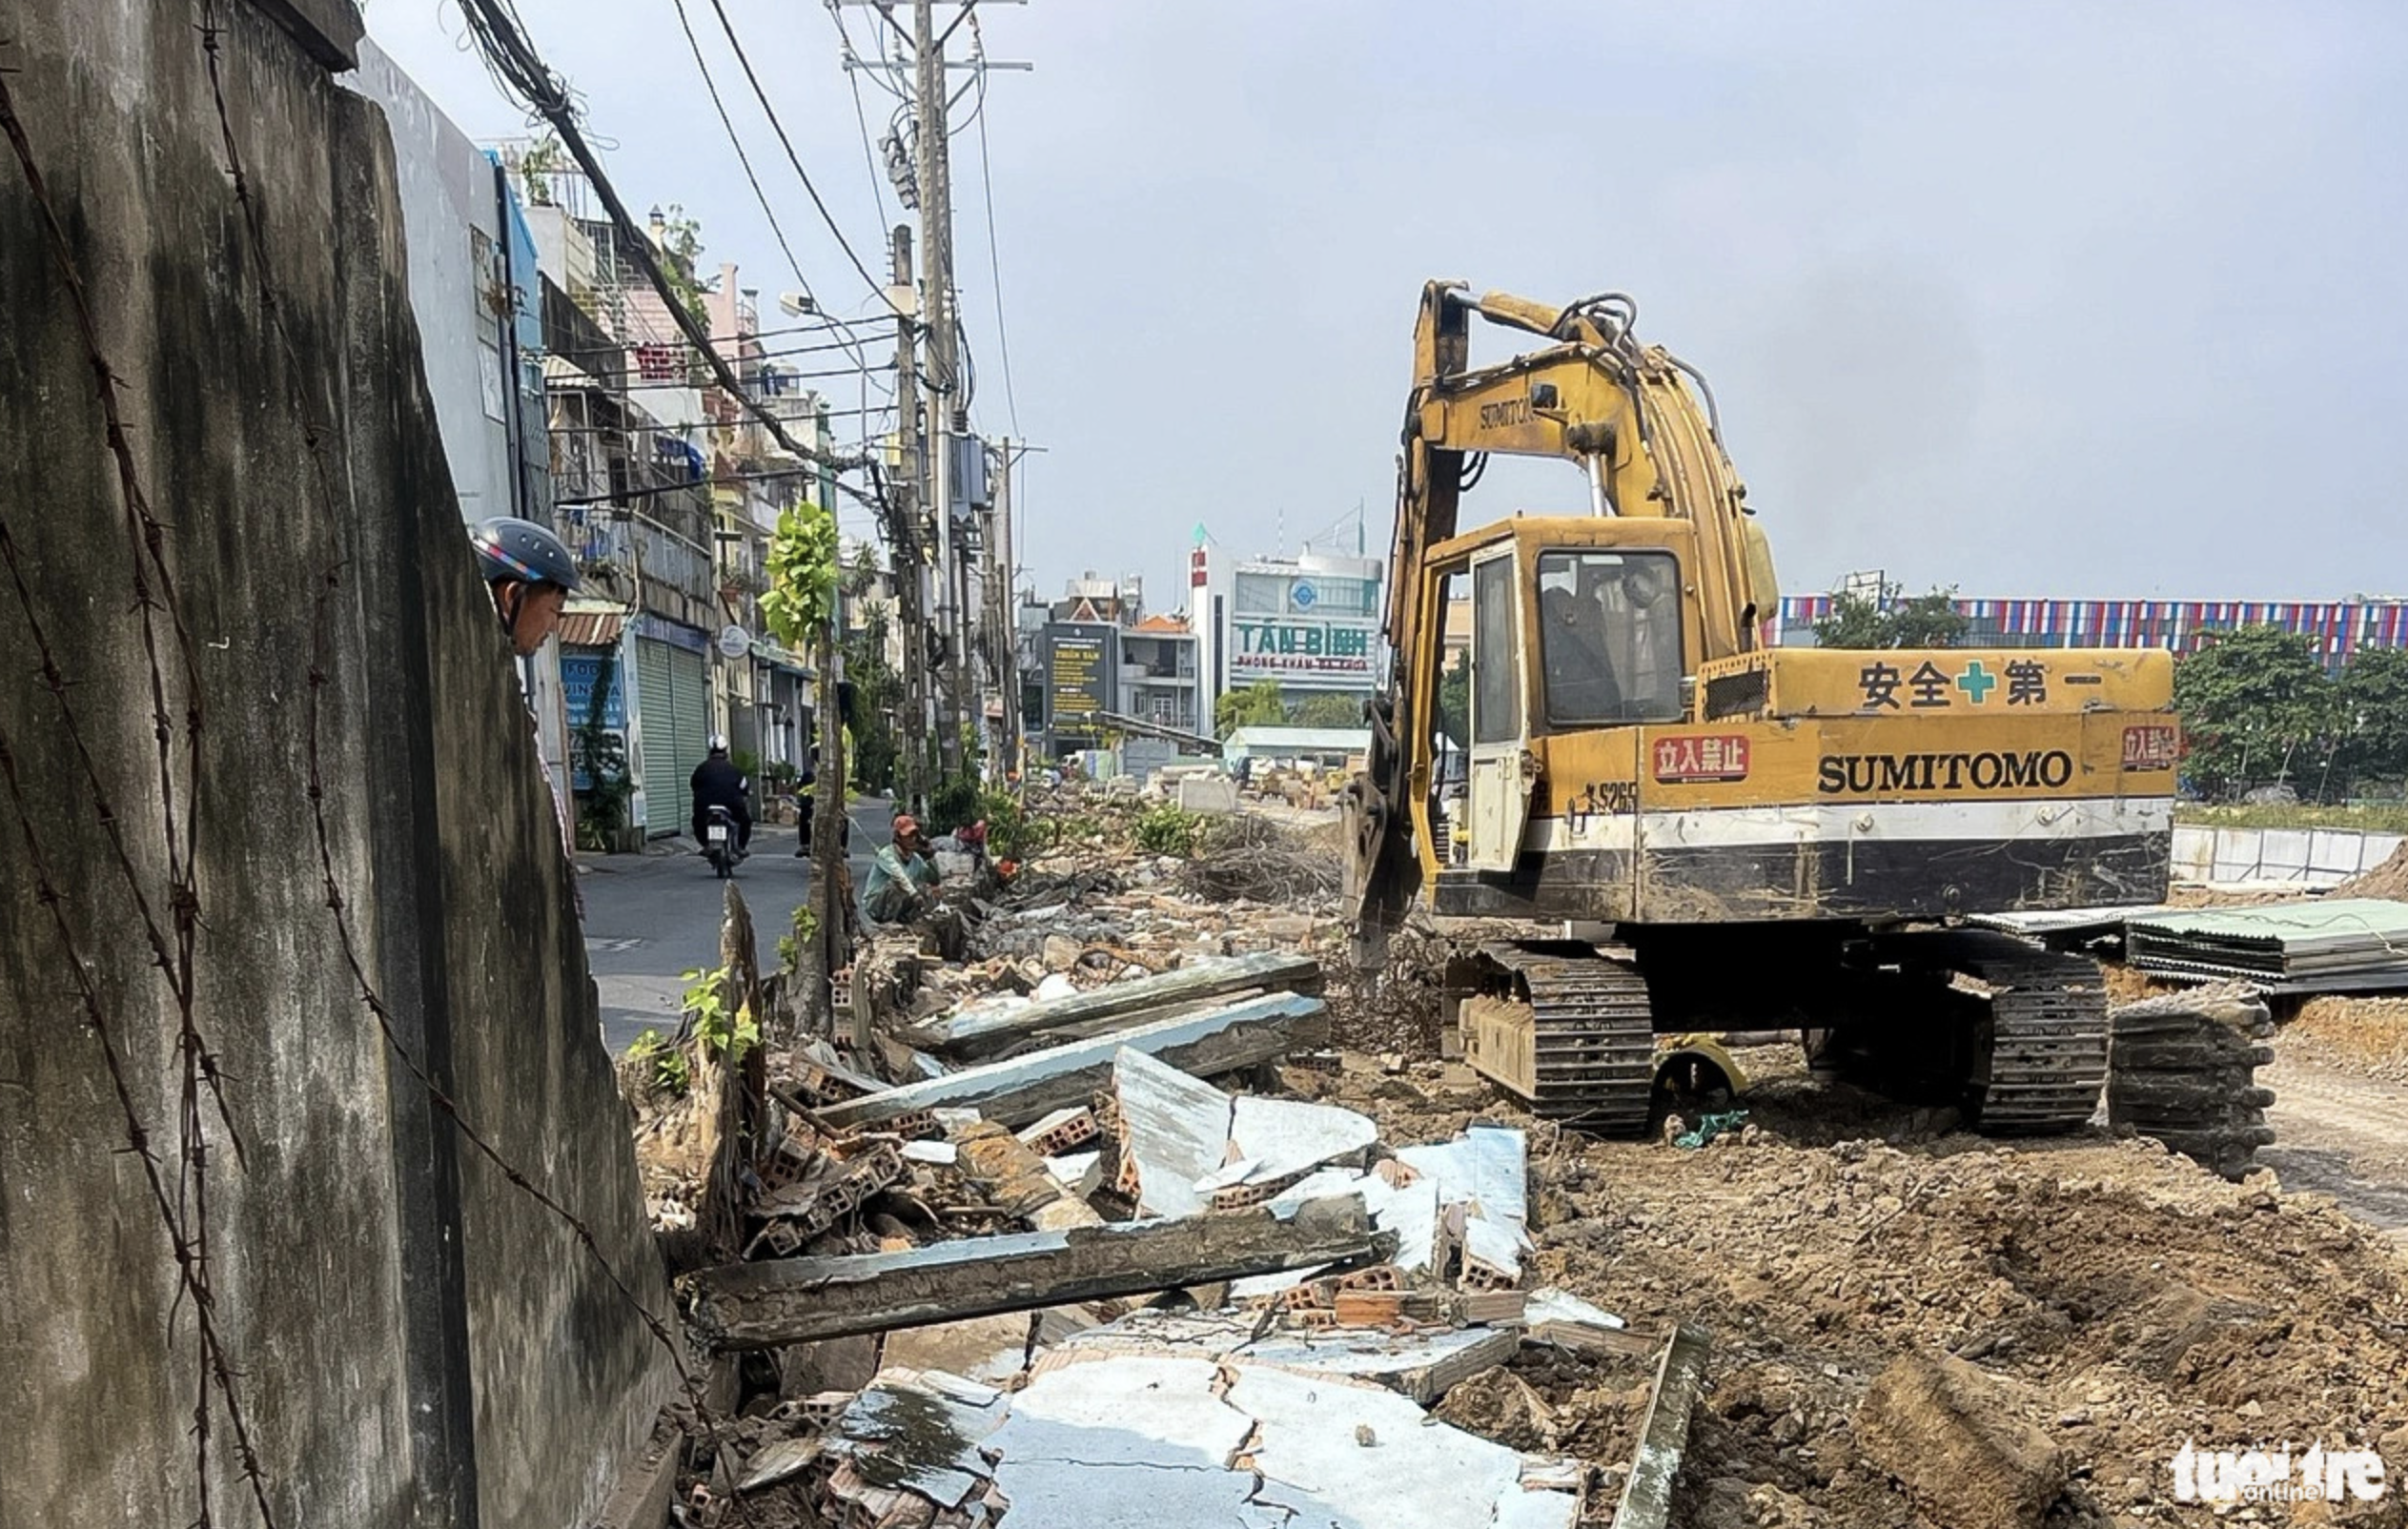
x: 2372, y: 696
x: 2256, y: 705
x: 800, y: 607
x: 1857, y: 621
x: 1454, y: 700
x: 1256, y: 705
x: 1327, y: 711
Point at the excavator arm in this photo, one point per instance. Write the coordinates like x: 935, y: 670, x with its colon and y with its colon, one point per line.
x: 1593, y: 396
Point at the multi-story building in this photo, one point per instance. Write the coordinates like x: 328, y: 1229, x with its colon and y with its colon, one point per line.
x: 1096, y: 667
x: 669, y: 491
x: 474, y: 295
x: 1310, y: 622
x: 2337, y: 628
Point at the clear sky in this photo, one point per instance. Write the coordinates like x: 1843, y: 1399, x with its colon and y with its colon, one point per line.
x: 2032, y: 298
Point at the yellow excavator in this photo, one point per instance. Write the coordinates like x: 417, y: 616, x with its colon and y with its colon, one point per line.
x: 1637, y: 816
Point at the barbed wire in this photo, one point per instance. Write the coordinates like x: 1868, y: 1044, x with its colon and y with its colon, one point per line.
x: 183, y: 1209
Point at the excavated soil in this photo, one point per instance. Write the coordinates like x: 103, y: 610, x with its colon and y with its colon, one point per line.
x: 2127, y: 1299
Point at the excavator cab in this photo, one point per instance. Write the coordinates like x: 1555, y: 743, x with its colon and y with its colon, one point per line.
x: 1576, y: 627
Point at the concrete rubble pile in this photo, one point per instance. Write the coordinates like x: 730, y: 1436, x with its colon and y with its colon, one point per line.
x: 1048, y: 1249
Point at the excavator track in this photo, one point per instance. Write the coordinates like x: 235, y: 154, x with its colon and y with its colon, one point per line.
x: 1592, y: 1036
x: 2038, y: 1055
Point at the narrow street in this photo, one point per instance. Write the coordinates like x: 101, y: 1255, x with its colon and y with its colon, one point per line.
x: 650, y: 917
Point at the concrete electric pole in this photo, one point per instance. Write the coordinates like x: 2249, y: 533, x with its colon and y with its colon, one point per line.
x: 931, y: 140
x: 907, y: 568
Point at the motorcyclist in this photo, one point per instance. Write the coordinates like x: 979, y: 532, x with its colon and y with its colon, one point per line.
x: 717, y: 783
x: 531, y: 574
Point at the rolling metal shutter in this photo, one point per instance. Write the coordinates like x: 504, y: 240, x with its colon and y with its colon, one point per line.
x: 690, y: 722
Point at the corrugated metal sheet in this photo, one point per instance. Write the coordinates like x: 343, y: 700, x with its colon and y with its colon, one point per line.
x: 592, y: 628
x: 2329, y: 943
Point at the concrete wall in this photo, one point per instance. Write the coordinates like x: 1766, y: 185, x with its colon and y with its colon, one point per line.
x: 418, y: 1343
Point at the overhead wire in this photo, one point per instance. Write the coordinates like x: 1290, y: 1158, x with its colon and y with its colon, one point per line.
x: 512, y: 60
x: 736, y: 142
x: 994, y: 261
x: 795, y: 159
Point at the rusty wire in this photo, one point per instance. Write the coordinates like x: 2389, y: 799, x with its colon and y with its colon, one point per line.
x: 184, y: 1213
x: 312, y: 437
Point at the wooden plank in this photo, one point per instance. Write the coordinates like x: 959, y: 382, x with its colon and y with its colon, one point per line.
x: 984, y: 1027
x: 1022, y: 1090
x: 798, y: 1300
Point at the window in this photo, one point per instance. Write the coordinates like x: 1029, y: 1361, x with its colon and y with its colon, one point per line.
x: 1495, y: 697
x: 1610, y: 635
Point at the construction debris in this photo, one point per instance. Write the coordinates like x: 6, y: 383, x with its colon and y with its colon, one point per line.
x: 977, y: 1029
x: 1956, y: 1438
x: 797, y: 1301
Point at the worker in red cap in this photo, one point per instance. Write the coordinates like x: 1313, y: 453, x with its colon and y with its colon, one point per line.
x: 901, y: 875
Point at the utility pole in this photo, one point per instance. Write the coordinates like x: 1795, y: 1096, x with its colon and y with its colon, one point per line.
x: 932, y: 140
x: 907, y: 570
x: 1004, y: 625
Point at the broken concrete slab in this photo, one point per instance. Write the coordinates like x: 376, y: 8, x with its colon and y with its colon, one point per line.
x: 1175, y: 1135
x: 1134, y: 1441
x: 792, y: 1300
x: 1663, y: 1432
x: 1290, y: 1136
x: 1949, y: 1434
x: 1138, y: 1442
x: 986, y: 1024
x: 1023, y: 1088
x: 1486, y: 1171
x: 1373, y: 1457
x: 1422, y: 1366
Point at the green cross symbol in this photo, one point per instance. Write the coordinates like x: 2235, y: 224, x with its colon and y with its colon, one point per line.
x: 1976, y: 682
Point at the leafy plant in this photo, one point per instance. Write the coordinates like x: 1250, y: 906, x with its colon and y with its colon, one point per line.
x: 601, y: 756
x: 725, y: 1035
x: 543, y: 158
x: 955, y: 802
x: 1167, y: 830
x: 672, y: 1074
x: 1327, y: 711
x: 747, y: 763
x: 1454, y: 700
x: 1012, y: 834
x: 667, y: 1063
x: 790, y: 947
x: 1254, y: 705
x: 682, y: 243
x: 802, y: 569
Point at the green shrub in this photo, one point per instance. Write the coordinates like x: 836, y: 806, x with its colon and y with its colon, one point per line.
x: 1167, y: 830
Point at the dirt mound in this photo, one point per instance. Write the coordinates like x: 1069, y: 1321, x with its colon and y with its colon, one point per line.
x: 2390, y: 879
x: 2367, y: 1034
x: 2128, y: 1298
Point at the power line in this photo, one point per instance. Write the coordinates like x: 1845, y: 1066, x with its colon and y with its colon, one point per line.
x: 521, y: 71
x: 994, y: 261
x: 711, y: 86
x: 796, y: 160
x: 861, y: 116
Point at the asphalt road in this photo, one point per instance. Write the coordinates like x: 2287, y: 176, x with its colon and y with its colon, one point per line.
x: 649, y: 918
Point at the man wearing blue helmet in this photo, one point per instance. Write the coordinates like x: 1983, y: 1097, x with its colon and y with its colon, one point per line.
x: 531, y: 575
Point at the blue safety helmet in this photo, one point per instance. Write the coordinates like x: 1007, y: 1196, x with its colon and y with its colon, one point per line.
x: 508, y: 547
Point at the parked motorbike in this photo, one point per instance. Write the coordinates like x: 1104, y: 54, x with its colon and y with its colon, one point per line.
x: 718, y: 842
